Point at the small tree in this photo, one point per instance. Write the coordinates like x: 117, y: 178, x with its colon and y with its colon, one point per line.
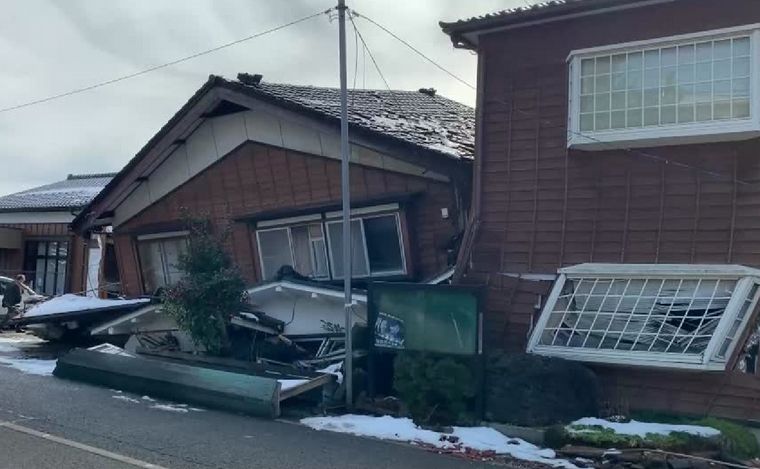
x: 209, y: 292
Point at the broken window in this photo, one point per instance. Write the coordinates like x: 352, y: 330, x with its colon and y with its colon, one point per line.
x: 680, y: 316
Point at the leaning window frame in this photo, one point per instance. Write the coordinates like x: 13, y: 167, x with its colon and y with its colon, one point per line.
x: 669, y: 134
x: 708, y: 360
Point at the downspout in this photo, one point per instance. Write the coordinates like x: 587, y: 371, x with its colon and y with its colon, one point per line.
x: 470, y: 235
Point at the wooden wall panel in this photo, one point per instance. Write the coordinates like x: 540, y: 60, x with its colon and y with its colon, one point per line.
x: 256, y: 177
x: 544, y: 207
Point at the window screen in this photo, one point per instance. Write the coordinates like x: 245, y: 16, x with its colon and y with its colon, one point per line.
x: 652, y: 319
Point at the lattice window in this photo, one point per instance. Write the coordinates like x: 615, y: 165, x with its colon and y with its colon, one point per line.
x: 646, y: 316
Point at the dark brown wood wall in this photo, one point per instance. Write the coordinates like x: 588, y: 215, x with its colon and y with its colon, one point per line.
x: 256, y: 177
x: 14, y: 259
x: 543, y: 207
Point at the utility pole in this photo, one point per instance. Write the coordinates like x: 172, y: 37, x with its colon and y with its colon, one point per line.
x: 348, y: 372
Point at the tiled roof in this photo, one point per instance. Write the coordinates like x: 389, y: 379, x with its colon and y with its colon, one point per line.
x: 421, y: 118
x: 536, y: 11
x: 76, y: 191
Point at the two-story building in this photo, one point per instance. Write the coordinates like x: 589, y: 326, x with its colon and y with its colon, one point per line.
x: 616, y: 203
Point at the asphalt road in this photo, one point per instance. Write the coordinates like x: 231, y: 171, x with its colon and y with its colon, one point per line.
x: 46, y: 422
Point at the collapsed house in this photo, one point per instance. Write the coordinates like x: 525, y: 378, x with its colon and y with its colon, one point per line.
x: 262, y: 160
x: 615, y: 206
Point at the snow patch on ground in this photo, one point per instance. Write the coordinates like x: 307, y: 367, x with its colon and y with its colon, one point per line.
x: 30, y: 366
x: 642, y: 429
x: 126, y: 399
x: 171, y: 408
x: 462, y: 438
x: 70, y: 303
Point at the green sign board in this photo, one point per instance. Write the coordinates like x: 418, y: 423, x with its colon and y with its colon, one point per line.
x: 427, y: 318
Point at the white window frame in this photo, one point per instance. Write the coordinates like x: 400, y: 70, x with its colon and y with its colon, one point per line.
x: 288, y: 229
x: 709, y: 360
x: 371, y: 274
x: 669, y: 134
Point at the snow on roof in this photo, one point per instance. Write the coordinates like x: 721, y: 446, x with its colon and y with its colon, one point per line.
x: 76, y: 191
x: 421, y: 118
x: 73, y: 303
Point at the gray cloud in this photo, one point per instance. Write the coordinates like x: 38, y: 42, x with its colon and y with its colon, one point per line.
x: 49, y: 47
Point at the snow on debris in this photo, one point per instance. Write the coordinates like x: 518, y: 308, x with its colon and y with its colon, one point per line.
x: 462, y: 438
x: 286, y: 384
x: 70, y: 303
x: 30, y: 366
x: 642, y: 429
x: 170, y: 408
x: 336, y: 369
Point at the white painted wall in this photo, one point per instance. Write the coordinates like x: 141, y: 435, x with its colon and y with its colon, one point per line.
x: 36, y: 217
x: 303, y: 314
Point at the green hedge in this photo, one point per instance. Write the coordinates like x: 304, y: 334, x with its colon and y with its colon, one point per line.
x: 531, y: 390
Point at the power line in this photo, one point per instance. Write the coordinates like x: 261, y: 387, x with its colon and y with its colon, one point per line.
x: 164, y: 65
x: 369, y: 51
x: 631, y: 151
x: 417, y: 51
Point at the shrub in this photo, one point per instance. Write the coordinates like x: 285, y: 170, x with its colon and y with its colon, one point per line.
x: 532, y: 390
x: 209, y: 292
x: 437, y: 390
x: 736, y: 440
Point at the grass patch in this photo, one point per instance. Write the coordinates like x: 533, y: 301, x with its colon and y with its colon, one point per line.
x: 735, y: 440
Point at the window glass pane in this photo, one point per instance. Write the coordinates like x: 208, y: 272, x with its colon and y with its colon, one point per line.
x: 384, y: 247
x: 358, y: 255
x: 302, y: 256
x: 42, y: 248
x: 39, y: 278
x: 274, y: 250
x: 319, y: 251
x: 715, y: 74
x: 172, y: 248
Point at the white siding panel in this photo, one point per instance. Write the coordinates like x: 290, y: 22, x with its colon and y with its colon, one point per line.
x: 263, y: 128
x: 301, y: 138
x: 132, y: 205
x: 229, y: 132
x: 172, y: 173
x: 201, y: 148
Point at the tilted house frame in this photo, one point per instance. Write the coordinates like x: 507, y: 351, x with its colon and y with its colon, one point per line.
x: 263, y: 159
x: 615, y: 202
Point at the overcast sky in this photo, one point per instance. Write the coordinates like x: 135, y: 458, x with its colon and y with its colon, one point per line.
x: 49, y: 47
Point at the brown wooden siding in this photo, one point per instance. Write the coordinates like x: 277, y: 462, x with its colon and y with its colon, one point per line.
x: 543, y: 207
x: 256, y: 178
x: 729, y: 394
x: 13, y: 260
